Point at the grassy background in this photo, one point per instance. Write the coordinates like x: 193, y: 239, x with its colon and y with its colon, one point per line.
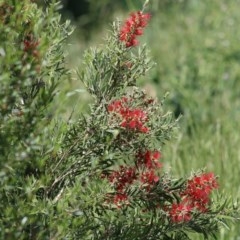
x: 196, y: 47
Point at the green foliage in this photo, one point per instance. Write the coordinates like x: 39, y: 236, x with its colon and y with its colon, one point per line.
x: 55, y: 177
x: 31, y: 67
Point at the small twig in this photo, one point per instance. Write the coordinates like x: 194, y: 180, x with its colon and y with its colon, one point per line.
x: 145, y: 5
x: 56, y: 199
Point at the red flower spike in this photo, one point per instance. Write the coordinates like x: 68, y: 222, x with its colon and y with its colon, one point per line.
x: 198, y: 190
x: 133, y: 119
x: 123, y: 177
x: 149, y: 159
x: 156, y: 155
x: 29, y: 43
x: 144, y: 129
x: 133, y: 27
x: 115, y: 106
x: 180, y: 213
x: 149, y: 177
x: 120, y: 197
x: 30, y: 46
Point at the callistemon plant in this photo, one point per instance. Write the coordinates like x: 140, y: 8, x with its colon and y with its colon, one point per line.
x: 114, y: 155
x: 103, y: 176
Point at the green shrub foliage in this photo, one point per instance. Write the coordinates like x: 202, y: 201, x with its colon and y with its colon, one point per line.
x: 100, y: 177
x: 31, y: 67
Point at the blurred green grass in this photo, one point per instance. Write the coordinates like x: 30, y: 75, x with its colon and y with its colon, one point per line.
x: 196, y: 47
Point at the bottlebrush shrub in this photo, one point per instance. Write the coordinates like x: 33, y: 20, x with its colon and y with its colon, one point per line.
x: 31, y: 67
x: 101, y: 177
x: 111, y: 167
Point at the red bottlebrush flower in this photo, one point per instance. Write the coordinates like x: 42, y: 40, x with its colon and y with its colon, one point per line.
x: 119, y: 198
x: 156, y: 155
x: 144, y: 129
x: 133, y: 27
x: 149, y: 177
x: 30, y: 45
x: 149, y: 159
x: 134, y: 118
x: 115, y: 106
x: 198, y: 190
x: 123, y: 177
x: 180, y: 212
